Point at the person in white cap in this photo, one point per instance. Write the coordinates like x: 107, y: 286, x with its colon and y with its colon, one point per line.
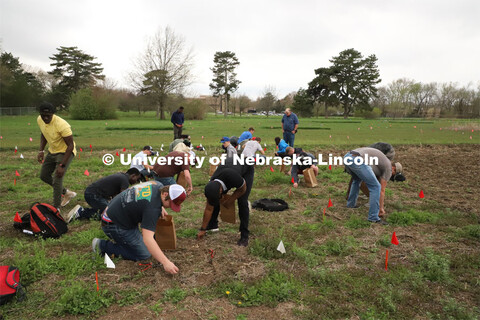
x: 140, y: 161
x: 141, y: 204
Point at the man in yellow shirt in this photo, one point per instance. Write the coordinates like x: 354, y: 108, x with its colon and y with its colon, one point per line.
x: 61, y: 150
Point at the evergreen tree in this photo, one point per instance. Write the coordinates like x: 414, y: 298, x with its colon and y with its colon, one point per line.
x: 74, y: 70
x: 224, y: 80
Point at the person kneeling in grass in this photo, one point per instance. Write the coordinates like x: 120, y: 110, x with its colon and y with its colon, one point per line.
x: 141, y: 204
x: 99, y: 194
x: 298, y: 168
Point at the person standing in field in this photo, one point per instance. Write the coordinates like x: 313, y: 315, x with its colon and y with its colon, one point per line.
x: 289, y: 126
x: 177, y: 120
x: 61, y: 150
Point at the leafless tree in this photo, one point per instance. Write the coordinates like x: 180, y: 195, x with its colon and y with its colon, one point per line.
x: 164, y: 67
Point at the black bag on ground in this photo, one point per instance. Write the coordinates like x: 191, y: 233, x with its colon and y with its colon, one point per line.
x: 270, y: 204
x: 10, y: 284
x: 44, y: 220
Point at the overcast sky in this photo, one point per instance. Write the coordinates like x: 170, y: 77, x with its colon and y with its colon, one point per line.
x: 279, y: 43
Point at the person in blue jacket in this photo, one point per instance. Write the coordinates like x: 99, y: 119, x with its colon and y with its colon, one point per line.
x: 246, y: 135
x: 282, y: 145
x: 289, y: 126
x: 177, y: 120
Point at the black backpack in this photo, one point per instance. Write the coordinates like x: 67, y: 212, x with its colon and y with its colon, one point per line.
x: 270, y: 204
x: 44, y: 220
x: 10, y: 284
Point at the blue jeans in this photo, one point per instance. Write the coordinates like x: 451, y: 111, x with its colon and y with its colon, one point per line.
x: 364, y: 173
x: 289, y: 137
x: 97, y: 203
x: 128, y: 243
x: 166, y: 181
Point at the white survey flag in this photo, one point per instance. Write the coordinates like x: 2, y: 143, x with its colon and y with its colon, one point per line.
x: 21, y: 156
x: 281, y: 247
x: 109, y: 262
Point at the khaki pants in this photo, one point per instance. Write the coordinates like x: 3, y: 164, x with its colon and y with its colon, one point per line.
x: 47, y: 174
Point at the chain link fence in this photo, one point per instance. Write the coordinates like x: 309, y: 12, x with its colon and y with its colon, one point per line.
x: 17, y: 111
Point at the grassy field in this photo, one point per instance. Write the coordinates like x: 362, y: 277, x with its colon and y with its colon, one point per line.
x: 334, y: 267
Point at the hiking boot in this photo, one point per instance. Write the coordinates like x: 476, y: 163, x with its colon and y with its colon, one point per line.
x: 381, y: 222
x: 74, y: 213
x: 69, y: 195
x: 96, y: 245
x: 243, y: 242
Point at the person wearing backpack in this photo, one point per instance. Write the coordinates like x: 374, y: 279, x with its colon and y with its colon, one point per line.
x: 99, y: 194
x: 142, y: 204
x: 61, y: 150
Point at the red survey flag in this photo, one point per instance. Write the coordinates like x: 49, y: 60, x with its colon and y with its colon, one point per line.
x: 96, y: 280
x: 271, y: 169
x: 124, y: 149
x: 17, y: 174
x: 17, y: 218
x: 81, y: 150
x: 421, y: 195
x: 117, y: 154
x: 386, y: 261
x: 86, y: 172
x: 293, y: 180
x: 330, y: 204
x: 330, y: 167
x: 394, y: 239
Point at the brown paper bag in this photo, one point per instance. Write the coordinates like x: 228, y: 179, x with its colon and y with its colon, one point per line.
x: 181, y: 180
x: 165, y: 234
x: 310, y: 179
x: 212, y: 170
x: 227, y: 214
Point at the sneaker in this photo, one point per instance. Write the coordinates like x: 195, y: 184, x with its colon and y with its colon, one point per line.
x: 382, y: 222
x: 243, y: 242
x: 74, y: 213
x: 213, y: 230
x: 356, y: 207
x: 95, y: 245
x: 69, y: 195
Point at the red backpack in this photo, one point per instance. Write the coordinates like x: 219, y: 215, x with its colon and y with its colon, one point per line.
x: 10, y: 284
x: 44, y: 220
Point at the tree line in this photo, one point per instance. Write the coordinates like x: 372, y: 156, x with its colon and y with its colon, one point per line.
x: 163, y: 71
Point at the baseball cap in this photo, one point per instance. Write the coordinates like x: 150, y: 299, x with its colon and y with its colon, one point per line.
x: 177, y: 195
x: 225, y: 139
x: 212, y: 192
x: 46, y: 107
x: 398, y: 167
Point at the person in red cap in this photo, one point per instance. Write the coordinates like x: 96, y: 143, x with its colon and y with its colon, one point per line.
x: 141, y: 204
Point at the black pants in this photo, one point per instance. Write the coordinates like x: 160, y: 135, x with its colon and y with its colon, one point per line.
x: 243, y: 210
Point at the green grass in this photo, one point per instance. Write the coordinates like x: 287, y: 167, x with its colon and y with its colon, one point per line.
x: 116, y: 134
x: 271, y: 290
x: 410, y: 217
x: 333, y: 268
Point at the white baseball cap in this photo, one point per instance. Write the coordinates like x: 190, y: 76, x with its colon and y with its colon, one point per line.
x: 177, y: 195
